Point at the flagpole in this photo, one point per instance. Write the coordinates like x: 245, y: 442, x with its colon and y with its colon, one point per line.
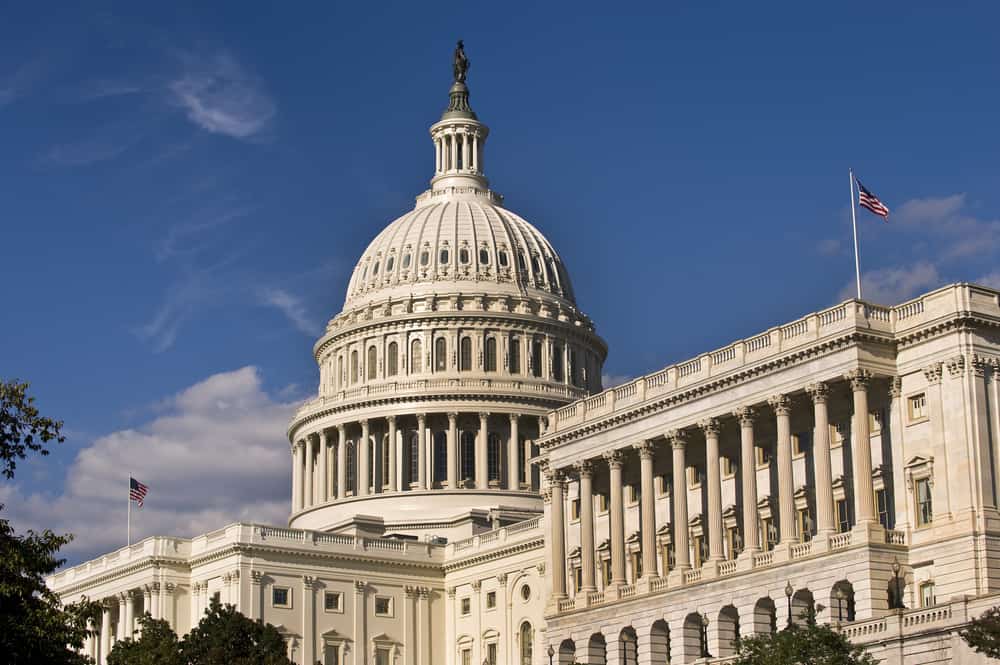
x: 854, y: 225
x: 128, y: 532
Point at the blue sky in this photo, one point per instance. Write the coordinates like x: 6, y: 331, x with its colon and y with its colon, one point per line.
x: 185, y: 190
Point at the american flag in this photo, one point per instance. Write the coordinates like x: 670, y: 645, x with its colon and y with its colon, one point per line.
x: 136, y: 491
x: 868, y: 200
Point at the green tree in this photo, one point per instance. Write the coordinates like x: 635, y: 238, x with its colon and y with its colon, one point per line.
x: 157, y: 645
x: 34, y: 626
x: 983, y: 633
x: 811, y: 644
x: 226, y: 637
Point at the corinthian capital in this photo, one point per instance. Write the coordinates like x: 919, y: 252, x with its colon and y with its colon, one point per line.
x: 781, y: 405
x: 645, y: 449
x: 859, y: 378
x: 744, y: 414
x: 615, y: 459
x: 710, y: 426
x: 678, y: 438
x: 933, y: 373
x: 819, y: 392
x: 585, y: 468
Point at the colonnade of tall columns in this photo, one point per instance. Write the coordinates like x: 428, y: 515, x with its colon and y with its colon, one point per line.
x: 458, y: 150
x: 780, y: 407
x: 120, y: 614
x: 331, y: 464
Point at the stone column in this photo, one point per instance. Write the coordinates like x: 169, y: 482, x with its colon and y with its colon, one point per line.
x: 864, y: 491
x: 170, y: 602
x: 786, y: 491
x: 324, y: 449
x: 90, y: 641
x: 393, y: 480
x: 122, y: 611
x: 154, y: 600
x: 453, y: 162
x: 308, y: 619
x: 309, y: 487
x: 475, y: 153
x: 424, y: 624
x: 682, y: 555
x: 256, y: 609
x: 513, y: 441
x: 364, y: 460
x: 557, y: 533
x: 710, y: 427
x: 825, y: 518
x: 748, y: 476
x: 617, y: 518
x: 527, y: 463
x: 585, y: 469
x: 129, y: 614
x: 105, y: 631
x: 482, y: 463
x: 341, y: 461
x: 453, y: 451
x: 296, y: 477
x: 647, y: 511
x: 421, y: 450
x: 410, y: 624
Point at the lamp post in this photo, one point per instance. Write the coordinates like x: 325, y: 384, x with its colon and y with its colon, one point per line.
x: 704, y: 636
x: 898, y: 600
x: 788, y: 596
x: 551, y: 652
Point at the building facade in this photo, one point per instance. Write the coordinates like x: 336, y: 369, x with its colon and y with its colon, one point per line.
x: 465, y: 492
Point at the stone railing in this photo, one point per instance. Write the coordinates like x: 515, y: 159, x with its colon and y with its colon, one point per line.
x: 894, y: 537
x: 566, y: 604
x: 839, y: 541
x: 799, y: 550
x: 497, y: 538
x: 727, y: 568
x: 953, y: 300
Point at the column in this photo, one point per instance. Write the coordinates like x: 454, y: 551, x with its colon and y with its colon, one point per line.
x: 475, y: 154
x: 748, y: 476
x: 617, y: 515
x: 360, y: 624
x: 786, y: 492
x: 296, y: 477
x: 324, y: 451
x: 90, y: 640
x: 421, y: 450
x: 527, y: 463
x: 105, y: 631
x: 256, y: 580
x: 482, y: 468
x: 467, y: 149
x: 453, y: 144
x: 512, y: 444
x: 309, y: 494
x: 122, y: 611
x: 308, y: 620
x: 585, y: 469
x: 341, y: 461
x: 393, y: 481
x: 129, y: 614
x: 437, y: 155
x: 154, y: 600
x: 453, y: 451
x: 364, y: 460
x: 647, y: 511
x: 710, y: 427
x: 825, y: 518
x: 557, y: 532
x: 424, y: 624
x: 170, y: 601
x: 864, y: 491
x: 682, y: 555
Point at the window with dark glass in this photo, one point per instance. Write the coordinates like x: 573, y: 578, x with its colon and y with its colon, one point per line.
x: 503, y: 258
x: 440, y: 456
x: 536, y: 357
x: 425, y: 257
x: 521, y: 263
x: 443, y: 256
x: 465, y: 354
x: 440, y: 354
x: 484, y: 256
x: 925, y: 508
x: 375, y: 269
x: 389, y: 262
x: 416, y: 356
x: 406, y: 261
x: 331, y: 601
x: 557, y: 362
x: 843, y: 516
x: 490, y: 359
x: 372, y: 362
x: 281, y: 596
x: 468, y: 453
x: 463, y: 255
x: 882, y: 506
x: 351, y: 456
x: 493, y: 456
x: 514, y: 362
x: 392, y: 359
x: 414, y: 456
x: 354, y: 366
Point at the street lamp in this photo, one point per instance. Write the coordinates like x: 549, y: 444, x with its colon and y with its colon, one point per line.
x: 788, y: 595
x: 704, y: 636
x: 898, y: 600
x: 552, y: 652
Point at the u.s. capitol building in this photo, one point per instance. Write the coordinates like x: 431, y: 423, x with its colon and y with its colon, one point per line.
x: 465, y: 492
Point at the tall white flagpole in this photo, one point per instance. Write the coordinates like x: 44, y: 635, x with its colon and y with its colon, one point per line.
x: 128, y: 535
x: 854, y: 224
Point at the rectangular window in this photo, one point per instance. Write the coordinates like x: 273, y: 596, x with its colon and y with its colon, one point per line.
x: 578, y: 576
x: 875, y: 422
x: 917, y: 407
x: 734, y: 543
x: 804, y: 525
x: 763, y: 455
x: 799, y: 444
x: 281, y: 596
x: 882, y: 506
x: 925, y: 508
x: 927, y: 597
x: 768, y: 534
x: 843, y: 516
x: 333, y: 601
x: 491, y: 599
x: 574, y: 509
x: 491, y: 653
x: 632, y: 493
x: 383, y: 606
x: 602, y: 503
x: 381, y: 656
x: 606, y: 571
x: 728, y: 468
x: 466, y: 656
x: 693, y: 477
x: 636, y: 566
x: 466, y: 607
x: 697, y: 543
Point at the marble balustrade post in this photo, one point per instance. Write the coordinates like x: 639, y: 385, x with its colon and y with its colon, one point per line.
x: 710, y: 428
x: 825, y: 518
x: 782, y: 408
x: 748, y: 477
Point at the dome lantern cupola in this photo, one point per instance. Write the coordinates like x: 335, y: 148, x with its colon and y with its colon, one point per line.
x: 459, y: 137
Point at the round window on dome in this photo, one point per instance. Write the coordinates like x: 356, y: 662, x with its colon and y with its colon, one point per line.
x: 463, y: 255
x: 443, y: 256
x: 503, y: 258
x: 406, y: 261
x: 389, y: 263
x: 425, y: 258
x: 484, y: 256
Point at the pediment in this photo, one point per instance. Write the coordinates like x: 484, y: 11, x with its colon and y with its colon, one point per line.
x: 918, y: 460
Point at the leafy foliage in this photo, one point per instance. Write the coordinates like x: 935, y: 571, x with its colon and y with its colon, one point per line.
x: 983, y: 633
x: 157, y: 645
x: 22, y: 429
x: 811, y: 644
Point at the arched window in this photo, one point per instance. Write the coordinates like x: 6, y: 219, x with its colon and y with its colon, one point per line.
x: 484, y: 256
x: 389, y: 262
x: 494, y: 456
x: 392, y: 359
x: 443, y: 256
x: 463, y: 255
x: 491, y: 354
x: 406, y: 261
x: 465, y: 354
x: 514, y: 362
x: 354, y: 366
x: 557, y: 362
x: 425, y: 257
x: 503, y: 258
x: 372, y: 362
x: 536, y: 268
x: 440, y: 457
x: 416, y: 353
x: 468, y: 456
x: 520, y: 262
x: 536, y: 357
x: 440, y: 354
x: 375, y: 269
x: 414, y: 456
x: 340, y: 371
x: 527, y: 636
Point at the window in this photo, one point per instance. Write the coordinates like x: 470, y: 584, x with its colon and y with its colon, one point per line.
x: 799, y: 444
x: 491, y: 599
x: 372, y: 362
x: 843, y: 516
x: 406, y: 261
x: 574, y: 509
x: 734, y: 544
x: 536, y: 357
x: 491, y: 354
x: 698, y: 547
x: 694, y: 477
x: 375, y: 269
x: 636, y: 566
x: 281, y: 596
x: 333, y: 601
x: 493, y: 454
x: 414, y: 456
x: 466, y: 656
x: 882, y: 506
x: 468, y: 455
x: 351, y: 457
x: 465, y: 354
x: 503, y: 258
x: 340, y: 370
x: 383, y: 606
x: 521, y: 263
x: 763, y: 455
x: 536, y: 267
x: 217, y: 596
x: 917, y: 407
x: 515, y: 355
x: 381, y: 656
x: 927, y: 597
x: 443, y: 256
x: 526, y: 638
x: 925, y: 509
x: 364, y: 273
x: 416, y: 354
x: 728, y: 468
x: 578, y: 576
x: 491, y: 653
x: 463, y: 255
x: 803, y: 524
x: 466, y: 607
x: 768, y: 534
x: 440, y: 456
x: 385, y: 460
x: 354, y: 366
x: 632, y: 494
x: 525, y: 592
x: 425, y: 257
x: 440, y: 354
x: 389, y: 262
x: 606, y: 571
x: 484, y: 256
x: 392, y: 359
x: 602, y: 503
x: 557, y: 362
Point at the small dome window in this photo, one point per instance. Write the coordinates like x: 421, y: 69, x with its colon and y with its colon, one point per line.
x: 463, y: 255
x: 375, y: 269
x: 484, y: 256
x: 389, y: 263
x: 406, y: 261
x: 521, y: 262
x: 503, y: 258
x: 535, y: 267
x: 443, y: 256
x: 364, y: 273
x: 425, y: 257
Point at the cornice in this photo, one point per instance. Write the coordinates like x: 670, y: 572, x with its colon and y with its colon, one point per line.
x: 363, y: 556
x: 179, y: 565
x: 960, y: 321
x: 493, y: 555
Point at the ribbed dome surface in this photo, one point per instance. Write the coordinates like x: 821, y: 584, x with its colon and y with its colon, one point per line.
x: 459, y: 243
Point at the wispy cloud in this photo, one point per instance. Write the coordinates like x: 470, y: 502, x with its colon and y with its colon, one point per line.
x: 292, y: 308
x: 959, y: 233
x: 828, y: 246
x: 86, y: 152
x: 186, y: 237
x: 612, y: 380
x: 17, y: 83
x: 192, y: 290
x: 221, y: 97
x: 890, y: 286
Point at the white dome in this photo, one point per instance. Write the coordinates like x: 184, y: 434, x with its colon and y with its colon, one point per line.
x: 459, y: 240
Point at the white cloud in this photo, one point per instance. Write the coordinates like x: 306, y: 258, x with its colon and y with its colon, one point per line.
x: 612, y: 380
x: 292, y: 308
x: 959, y: 234
x: 216, y: 453
x: 828, y: 246
x: 991, y: 280
x: 890, y: 286
x: 219, y: 96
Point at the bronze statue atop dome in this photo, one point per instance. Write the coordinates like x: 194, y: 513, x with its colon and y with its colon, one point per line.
x: 461, y: 63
